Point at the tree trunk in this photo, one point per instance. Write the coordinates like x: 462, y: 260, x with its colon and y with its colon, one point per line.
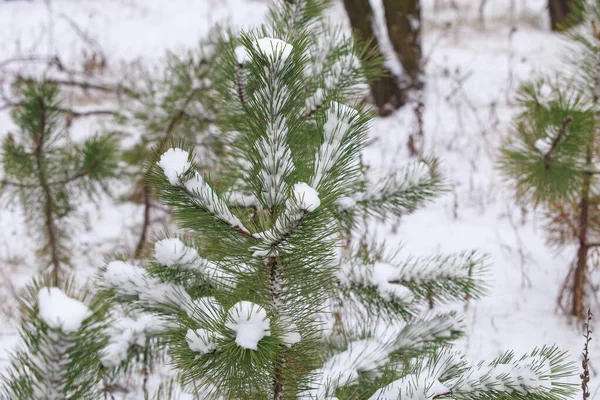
x: 562, y: 14
x: 403, y: 20
x: 582, y: 253
x: 386, y: 94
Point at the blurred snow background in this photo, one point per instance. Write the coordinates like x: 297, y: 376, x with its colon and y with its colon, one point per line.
x: 475, y: 60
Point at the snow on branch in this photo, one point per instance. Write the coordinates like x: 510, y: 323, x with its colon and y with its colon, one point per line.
x: 201, y: 340
x: 273, y: 49
x: 303, y: 199
x: 172, y: 252
x: 175, y: 165
x: 249, y: 322
x: 555, y: 134
x: 276, y: 160
x: 60, y: 311
x: 404, y: 191
x: 126, y: 332
x: 447, y: 276
x: 337, y: 125
x: 130, y: 281
x: 534, y: 376
x: 414, y: 387
x: 344, y: 368
x: 369, y: 357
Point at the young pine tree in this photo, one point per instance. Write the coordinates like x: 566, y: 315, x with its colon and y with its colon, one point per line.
x: 61, y: 341
x: 45, y: 171
x: 255, y: 300
x: 551, y: 156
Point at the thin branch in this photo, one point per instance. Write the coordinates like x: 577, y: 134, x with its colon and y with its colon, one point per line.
x: 585, y: 375
x: 161, y: 147
x: 84, y: 85
x: 49, y: 201
x: 71, y: 112
x: 561, y: 133
x: 142, y: 241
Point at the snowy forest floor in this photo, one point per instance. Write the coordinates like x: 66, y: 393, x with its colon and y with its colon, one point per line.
x: 474, y: 64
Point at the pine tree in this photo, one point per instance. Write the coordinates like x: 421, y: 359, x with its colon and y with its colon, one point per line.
x: 256, y: 300
x: 61, y: 341
x: 44, y: 170
x: 552, y: 153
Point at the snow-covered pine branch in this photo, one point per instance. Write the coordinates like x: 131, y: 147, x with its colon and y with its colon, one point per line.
x: 447, y: 375
x: 370, y: 357
x: 62, y: 335
x: 273, y: 157
x: 177, y: 256
x: 304, y: 199
x: 176, y: 165
x: 126, y: 332
x: 409, y: 188
x: 443, y: 277
x: 133, y: 283
x: 337, y: 141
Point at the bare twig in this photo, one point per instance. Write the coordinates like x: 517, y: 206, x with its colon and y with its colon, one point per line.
x: 585, y: 375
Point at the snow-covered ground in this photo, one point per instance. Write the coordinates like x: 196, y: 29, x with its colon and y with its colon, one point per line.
x: 474, y: 64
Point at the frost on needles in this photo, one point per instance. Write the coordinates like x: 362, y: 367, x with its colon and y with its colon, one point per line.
x: 271, y: 299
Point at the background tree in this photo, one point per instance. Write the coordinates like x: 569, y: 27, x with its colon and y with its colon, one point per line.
x: 403, y: 22
x: 44, y: 170
x: 564, y: 13
x: 552, y: 156
x: 177, y: 105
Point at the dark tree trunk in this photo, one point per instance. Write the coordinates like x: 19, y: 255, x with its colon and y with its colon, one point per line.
x: 386, y: 93
x: 563, y: 15
x: 580, y: 276
x: 403, y: 20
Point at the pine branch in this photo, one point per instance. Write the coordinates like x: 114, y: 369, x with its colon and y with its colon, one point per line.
x: 49, y: 207
x: 561, y: 132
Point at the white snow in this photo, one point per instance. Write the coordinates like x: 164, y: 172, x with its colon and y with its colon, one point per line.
x: 206, y: 306
x: 342, y: 111
x: 411, y: 387
x: 249, y: 322
x: 307, y: 198
x: 172, y: 251
x: 129, y: 280
x: 201, y: 340
x: 126, y: 332
x: 60, y: 311
x: 315, y: 101
x: 205, y: 196
x: 124, y: 277
x: 383, y: 275
x: 543, y: 145
x: 241, y: 55
x: 274, y: 49
x: 174, y: 162
x: 345, y: 203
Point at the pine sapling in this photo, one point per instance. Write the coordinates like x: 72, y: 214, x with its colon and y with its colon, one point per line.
x: 45, y: 171
x: 255, y: 299
x: 551, y: 157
